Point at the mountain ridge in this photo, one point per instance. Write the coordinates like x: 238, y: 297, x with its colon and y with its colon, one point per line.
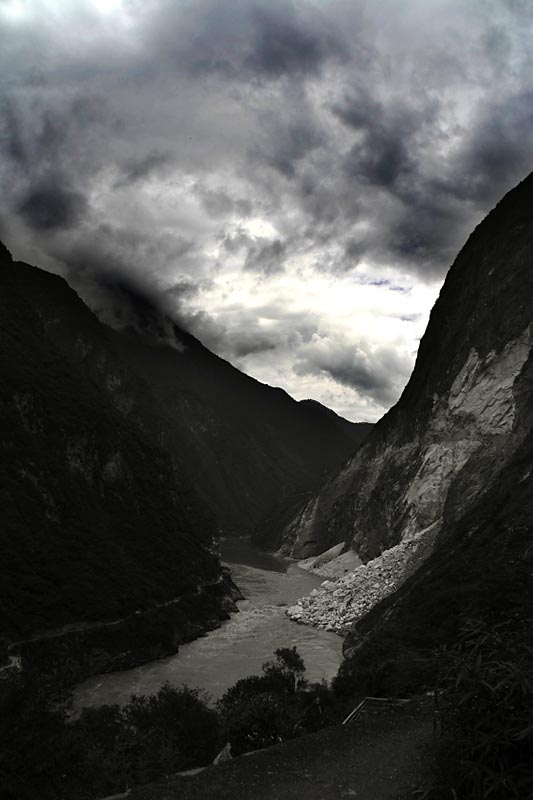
x: 235, y: 414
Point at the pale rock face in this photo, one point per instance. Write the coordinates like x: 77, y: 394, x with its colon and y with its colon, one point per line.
x: 484, y: 389
x: 333, y: 563
x: 479, y: 406
x: 427, y: 493
x: 339, y: 566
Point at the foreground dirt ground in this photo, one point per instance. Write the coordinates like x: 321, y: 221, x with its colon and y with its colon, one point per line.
x: 381, y: 756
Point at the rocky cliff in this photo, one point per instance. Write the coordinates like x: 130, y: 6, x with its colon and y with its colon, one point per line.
x: 462, y: 418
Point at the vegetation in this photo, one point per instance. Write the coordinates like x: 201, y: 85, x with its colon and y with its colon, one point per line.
x: 485, y: 704
x: 105, y: 750
x: 263, y: 710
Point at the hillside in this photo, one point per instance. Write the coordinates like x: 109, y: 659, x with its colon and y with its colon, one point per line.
x: 93, y: 525
x: 379, y: 757
x: 437, y: 501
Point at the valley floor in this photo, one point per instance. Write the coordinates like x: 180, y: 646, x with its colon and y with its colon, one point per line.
x: 382, y: 756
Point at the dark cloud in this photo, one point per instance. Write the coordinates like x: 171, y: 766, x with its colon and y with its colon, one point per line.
x: 247, y: 343
x: 219, y: 204
x: 266, y: 258
x: 288, y: 145
x: 380, y: 161
x: 386, y: 136
x: 50, y: 205
x: 12, y: 137
x: 185, y: 287
x: 288, y: 45
x: 38, y: 133
x: 128, y: 305
x: 354, y: 251
x: 247, y: 40
x: 497, y: 150
x: 136, y: 169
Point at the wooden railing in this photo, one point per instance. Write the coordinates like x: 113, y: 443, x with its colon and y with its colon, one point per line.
x: 368, y: 701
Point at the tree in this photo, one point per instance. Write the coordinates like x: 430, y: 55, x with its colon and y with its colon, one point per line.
x: 262, y: 710
x: 288, y: 666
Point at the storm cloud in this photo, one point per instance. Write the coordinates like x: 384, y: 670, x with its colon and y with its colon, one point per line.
x: 51, y: 204
x: 288, y: 180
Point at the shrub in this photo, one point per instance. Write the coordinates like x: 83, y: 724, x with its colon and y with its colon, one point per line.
x: 486, y: 709
x: 262, y: 710
x: 287, y: 667
x: 151, y: 736
x: 38, y: 755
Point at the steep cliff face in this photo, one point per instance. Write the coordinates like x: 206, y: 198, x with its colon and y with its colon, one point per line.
x: 460, y: 408
x: 464, y: 414
x: 480, y: 569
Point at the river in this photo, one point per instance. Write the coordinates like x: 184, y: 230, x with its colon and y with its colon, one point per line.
x: 217, y: 660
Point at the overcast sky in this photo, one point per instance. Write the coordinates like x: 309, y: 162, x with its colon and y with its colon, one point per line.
x: 289, y: 179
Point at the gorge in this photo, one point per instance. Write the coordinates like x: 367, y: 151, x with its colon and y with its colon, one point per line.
x: 266, y: 400
x: 238, y: 649
x: 424, y: 528
x: 124, y: 459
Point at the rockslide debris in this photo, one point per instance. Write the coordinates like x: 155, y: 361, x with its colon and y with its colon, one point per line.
x: 337, y: 604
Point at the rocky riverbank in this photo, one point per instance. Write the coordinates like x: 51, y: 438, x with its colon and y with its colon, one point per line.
x: 337, y: 604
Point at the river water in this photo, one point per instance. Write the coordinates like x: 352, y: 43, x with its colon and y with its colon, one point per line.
x: 214, y: 662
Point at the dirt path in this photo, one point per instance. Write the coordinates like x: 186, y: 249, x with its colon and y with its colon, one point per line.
x: 379, y: 757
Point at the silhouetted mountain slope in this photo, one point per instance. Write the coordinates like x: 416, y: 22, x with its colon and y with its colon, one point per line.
x: 239, y: 447
x: 92, y: 526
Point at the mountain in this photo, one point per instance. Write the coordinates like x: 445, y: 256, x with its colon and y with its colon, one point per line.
x: 242, y: 447
x: 438, y: 499
x: 123, y: 458
x: 93, y: 528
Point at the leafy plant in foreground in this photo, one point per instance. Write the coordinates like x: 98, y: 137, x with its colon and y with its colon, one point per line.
x: 485, y: 702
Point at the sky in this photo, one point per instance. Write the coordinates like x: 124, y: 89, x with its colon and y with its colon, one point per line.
x: 288, y: 180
